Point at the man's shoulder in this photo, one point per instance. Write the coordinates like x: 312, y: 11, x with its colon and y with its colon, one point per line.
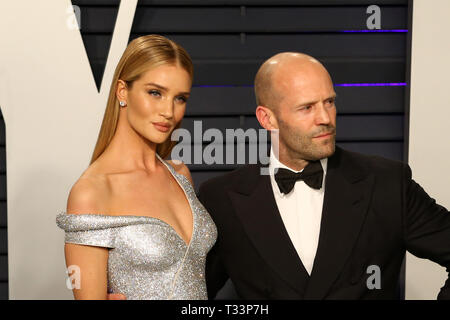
x: 370, y: 163
x: 350, y: 160
x: 242, y: 174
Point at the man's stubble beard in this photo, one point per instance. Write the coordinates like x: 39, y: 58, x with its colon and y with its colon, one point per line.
x: 301, y: 146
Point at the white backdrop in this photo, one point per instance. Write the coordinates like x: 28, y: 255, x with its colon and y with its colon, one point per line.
x: 53, y: 112
x: 429, y: 146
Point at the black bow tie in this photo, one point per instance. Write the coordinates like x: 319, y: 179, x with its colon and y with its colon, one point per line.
x: 312, y: 175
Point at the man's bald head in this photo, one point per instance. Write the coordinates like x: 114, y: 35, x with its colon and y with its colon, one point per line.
x: 296, y: 100
x: 266, y: 88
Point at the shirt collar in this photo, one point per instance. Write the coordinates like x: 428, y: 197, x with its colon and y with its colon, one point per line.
x: 275, y: 163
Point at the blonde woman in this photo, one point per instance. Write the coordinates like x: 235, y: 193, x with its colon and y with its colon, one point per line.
x: 133, y: 224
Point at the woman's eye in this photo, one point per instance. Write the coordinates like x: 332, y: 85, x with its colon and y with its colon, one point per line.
x: 182, y: 99
x: 155, y: 93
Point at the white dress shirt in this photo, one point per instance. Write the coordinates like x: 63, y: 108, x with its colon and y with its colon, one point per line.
x: 301, y: 212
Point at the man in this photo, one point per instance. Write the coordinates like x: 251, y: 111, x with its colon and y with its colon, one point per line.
x: 322, y: 233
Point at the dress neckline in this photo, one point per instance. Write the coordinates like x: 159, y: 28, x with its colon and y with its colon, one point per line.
x: 173, y: 173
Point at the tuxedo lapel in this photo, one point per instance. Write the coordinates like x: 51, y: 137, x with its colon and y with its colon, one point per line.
x: 347, y: 195
x: 258, y: 212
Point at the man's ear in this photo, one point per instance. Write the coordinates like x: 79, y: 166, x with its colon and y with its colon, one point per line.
x: 266, y: 118
x: 121, y: 90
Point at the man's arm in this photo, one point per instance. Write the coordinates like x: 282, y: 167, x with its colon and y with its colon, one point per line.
x: 216, y: 274
x: 426, y: 227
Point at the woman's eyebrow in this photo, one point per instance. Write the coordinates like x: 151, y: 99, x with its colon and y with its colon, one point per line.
x: 155, y: 85
x: 164, y: 88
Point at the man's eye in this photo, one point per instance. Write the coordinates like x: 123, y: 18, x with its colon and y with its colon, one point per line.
x: 306, y: 108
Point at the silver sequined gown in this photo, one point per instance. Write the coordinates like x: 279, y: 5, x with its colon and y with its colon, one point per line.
x: 147, y: 258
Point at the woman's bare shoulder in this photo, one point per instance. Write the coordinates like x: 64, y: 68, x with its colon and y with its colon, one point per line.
x: 88, y: 194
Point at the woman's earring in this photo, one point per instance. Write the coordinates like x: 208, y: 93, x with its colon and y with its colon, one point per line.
x: 122, y: 103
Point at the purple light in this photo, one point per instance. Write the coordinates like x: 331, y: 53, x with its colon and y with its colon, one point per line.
x: 378, y: 30
x: 389, y: 84
x: 222, y: 86
x: 381, y: 84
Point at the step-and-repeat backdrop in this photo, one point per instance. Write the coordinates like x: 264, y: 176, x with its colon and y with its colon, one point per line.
x: 51, y: 108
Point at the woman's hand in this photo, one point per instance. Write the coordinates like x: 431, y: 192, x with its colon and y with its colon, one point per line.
x: 116, y: 296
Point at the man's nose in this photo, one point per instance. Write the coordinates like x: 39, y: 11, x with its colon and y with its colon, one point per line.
x: 322, y: 116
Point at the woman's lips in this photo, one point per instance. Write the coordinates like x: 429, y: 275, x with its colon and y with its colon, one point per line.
x: 163, y: 127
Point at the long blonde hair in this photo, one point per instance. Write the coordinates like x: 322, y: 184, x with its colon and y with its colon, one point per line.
x: 141, y: 55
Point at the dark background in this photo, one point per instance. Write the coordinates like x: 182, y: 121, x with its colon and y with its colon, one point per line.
x: 228, y: 40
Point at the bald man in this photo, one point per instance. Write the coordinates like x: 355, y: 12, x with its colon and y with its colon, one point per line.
x: 325, y: 223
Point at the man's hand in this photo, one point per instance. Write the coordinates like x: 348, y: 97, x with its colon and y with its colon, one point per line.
x: 116, y: 296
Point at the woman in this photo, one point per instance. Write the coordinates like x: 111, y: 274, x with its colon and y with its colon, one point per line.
x: 133, y: 223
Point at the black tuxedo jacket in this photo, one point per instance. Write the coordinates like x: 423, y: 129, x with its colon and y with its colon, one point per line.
x: 372, y: 213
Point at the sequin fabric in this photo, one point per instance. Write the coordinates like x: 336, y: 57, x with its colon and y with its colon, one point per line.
x: 147, y: 258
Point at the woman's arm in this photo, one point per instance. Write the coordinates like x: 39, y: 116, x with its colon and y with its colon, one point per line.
x: 92, y: 262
